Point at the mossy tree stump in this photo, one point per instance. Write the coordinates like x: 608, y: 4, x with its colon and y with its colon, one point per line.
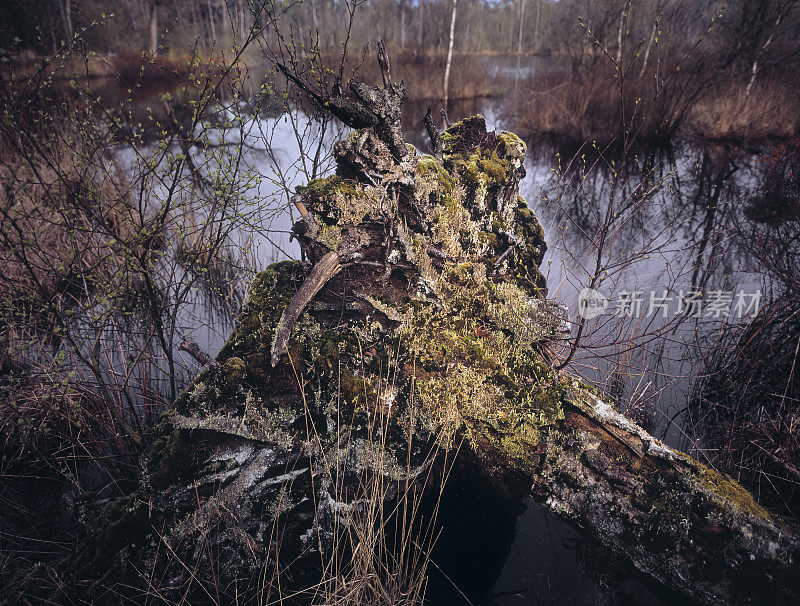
x: 418, y: 315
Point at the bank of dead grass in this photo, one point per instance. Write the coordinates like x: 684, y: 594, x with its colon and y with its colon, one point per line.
x: 594, y: 108
x: 772, y: 111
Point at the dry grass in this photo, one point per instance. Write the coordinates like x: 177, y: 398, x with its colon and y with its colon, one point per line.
x: 747, y: 405
x: 423, y: 75
x: 590, y: 105
x: 82, y: 306
x: 219, y: 267
x: 382, y: 547
x: 129, y: 66
x: 771, y: 112
x: 60, y: 229
x: 747, y: 409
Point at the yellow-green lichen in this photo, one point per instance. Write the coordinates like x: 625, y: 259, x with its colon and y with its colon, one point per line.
x: 339, y: 201
x: 728, y: 494
x: 479, y: 374
x: 514, y: 147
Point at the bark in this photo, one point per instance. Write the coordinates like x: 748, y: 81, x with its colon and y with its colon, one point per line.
x: 193, y: 349
x: 433, y: 135
x: 428, y: 268
x: 325, y: 269
x: 370, y: 106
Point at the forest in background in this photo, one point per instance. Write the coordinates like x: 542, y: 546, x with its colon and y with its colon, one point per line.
x: 724, y: 69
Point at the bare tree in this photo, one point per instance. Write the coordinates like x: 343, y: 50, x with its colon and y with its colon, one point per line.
x: 65, y: 6
x: 153, y: 21
x: 449, y: 54
x: 420, y: 23
x: 519, y: 40
x: 767, y: 34
x: 654, y: 31
x: 212, y: 21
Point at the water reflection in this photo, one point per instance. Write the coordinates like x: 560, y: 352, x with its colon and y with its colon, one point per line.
x: 663, y: 224
x: 552, y: 563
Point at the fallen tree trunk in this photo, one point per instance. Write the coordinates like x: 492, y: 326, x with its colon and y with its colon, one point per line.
x: 417, y: 325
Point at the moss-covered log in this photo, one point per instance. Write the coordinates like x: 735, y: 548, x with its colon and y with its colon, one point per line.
x: 429, y: 336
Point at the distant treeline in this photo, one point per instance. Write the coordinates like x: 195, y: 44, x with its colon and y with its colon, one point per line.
x: 621, y: 68
x: 745, y: 31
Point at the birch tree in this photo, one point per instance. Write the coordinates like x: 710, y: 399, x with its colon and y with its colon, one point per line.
x: 449, y: 54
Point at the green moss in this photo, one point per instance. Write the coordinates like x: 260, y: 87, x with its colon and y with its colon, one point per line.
x: 270, y: 292
x: 427, y: 165
x: 494, y: 167
x: 459, y: 136
x: 167, y: 445
x: 469, y: 357
x: 232, y: 372
x: 263, y: 419
x: 514, y: 148
x: 531, y: 251
x: 246, y: 354
x: 726, y: 493
x: 330, y: 236
x: 482, y: 375
x: 475, y: 346
x: 434, y: 185
x: 669, y: 515
x: 358, y: 392
x: 337, y: 200
x: 325, y: 189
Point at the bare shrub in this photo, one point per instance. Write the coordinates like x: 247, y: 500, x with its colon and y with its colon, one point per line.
x: 747, y: 405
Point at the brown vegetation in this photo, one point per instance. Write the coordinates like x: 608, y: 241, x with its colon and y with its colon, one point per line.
x: 91, y: 292
x: 772, y: 111
x: 61, y: 229
x: 79, y: 247
x: 747, y: 406
x: 423, y: 72
x: 591, y: 106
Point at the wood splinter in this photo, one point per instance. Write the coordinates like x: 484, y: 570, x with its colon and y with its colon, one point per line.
x: 327, y: 267
x: 300, y: 206
x: 193, y: 349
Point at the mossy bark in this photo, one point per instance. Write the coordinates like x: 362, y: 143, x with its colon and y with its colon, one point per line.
x: 431, y: 338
